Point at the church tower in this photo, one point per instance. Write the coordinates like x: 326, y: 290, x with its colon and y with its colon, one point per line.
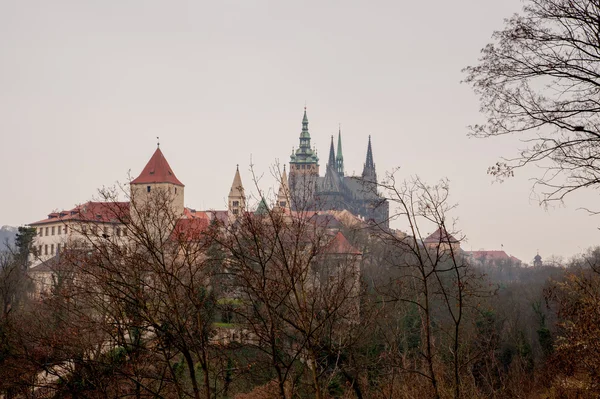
x: 304, y: 160
x: 237, y: 198
x: 156, y: 183
x: 283, y: 196
x: 304, y: 171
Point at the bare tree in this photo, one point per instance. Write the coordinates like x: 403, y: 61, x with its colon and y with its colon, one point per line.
x: 432, y: 283
x: 540, y: 79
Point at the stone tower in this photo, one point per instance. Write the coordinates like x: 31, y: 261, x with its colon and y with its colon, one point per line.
x: 157, y: 185
x: 283, y: 196
x: 304, y: 170
x: 237, y: 198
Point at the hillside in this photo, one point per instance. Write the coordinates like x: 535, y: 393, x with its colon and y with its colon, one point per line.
x: 7, y: 235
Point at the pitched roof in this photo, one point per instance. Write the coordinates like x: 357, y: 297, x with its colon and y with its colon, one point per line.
x: 99, y: 212
x: 262, y: 208
x: 157, y: 170
x: 440, y: 236
x: 340, y: 246
x: 237, y: 189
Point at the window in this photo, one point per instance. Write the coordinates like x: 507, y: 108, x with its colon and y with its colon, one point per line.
x: 94, y: 230
x: 282, y: 204
x: 46, y: 232
x: 84, y: 229
x: 46, y: 249
x: 57, y: 248
x: 235, y: 211
x: 51, y: 249
x: 59, y: 230
x: 40, y: 231
x: 118, y: 232
x: 53, y: 230
x: 39, y: 251
x: 105, y: 232
x: 66, y: 230
x: 148, y: 189
x: 236, y: 203
x: 124, y: 232
x: 175, y: 190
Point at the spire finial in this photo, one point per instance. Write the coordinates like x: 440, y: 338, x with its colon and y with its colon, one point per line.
x: 237, y: 167
x: 157, y: 142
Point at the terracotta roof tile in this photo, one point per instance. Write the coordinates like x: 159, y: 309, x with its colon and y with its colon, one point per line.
x: 440, y: 236
x: 340, y: 246
x: 100, y: 212
x: 157, y: 170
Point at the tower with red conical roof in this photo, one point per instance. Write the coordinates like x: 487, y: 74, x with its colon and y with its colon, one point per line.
x: 158, y: 183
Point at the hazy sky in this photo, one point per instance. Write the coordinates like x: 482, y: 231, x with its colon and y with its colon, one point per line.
x: 86, y: 86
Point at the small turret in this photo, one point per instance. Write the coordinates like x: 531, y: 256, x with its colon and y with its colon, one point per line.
x: 237, y: 198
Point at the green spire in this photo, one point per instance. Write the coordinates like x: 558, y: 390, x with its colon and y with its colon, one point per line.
x: 305, y: 123
x: 262, y: 208
x: 339, y: 160
x: 304, y: 153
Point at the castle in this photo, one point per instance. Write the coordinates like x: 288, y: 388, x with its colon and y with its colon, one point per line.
x: 335, y: 191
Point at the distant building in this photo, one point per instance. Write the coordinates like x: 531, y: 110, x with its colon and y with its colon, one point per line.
x: 334, y: 191
x: 442, y: 240
x: 484, y: 257
x: 112, y: 220
x: 537, y: 260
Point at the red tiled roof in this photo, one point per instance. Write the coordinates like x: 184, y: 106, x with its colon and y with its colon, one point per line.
x: 340, y: 245
x: 157, y: 170
x: 190, y: 229
x: 100, y: 212
x: 440, y: 236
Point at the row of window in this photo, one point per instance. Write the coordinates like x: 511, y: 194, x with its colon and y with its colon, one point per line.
x: 51, y: 230
x: 45, y: 248
x: 118, y: 231
x: 149, y: 188
x: 58, y: 230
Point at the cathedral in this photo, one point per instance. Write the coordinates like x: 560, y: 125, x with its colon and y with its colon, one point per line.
x: 335, y: 191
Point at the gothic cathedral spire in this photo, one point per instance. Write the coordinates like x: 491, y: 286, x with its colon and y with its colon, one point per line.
x: 331, y: 163
x: 339, y: 160
x: 369, y: 168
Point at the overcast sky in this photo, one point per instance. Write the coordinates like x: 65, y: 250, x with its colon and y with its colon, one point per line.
x: 86, y: 86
